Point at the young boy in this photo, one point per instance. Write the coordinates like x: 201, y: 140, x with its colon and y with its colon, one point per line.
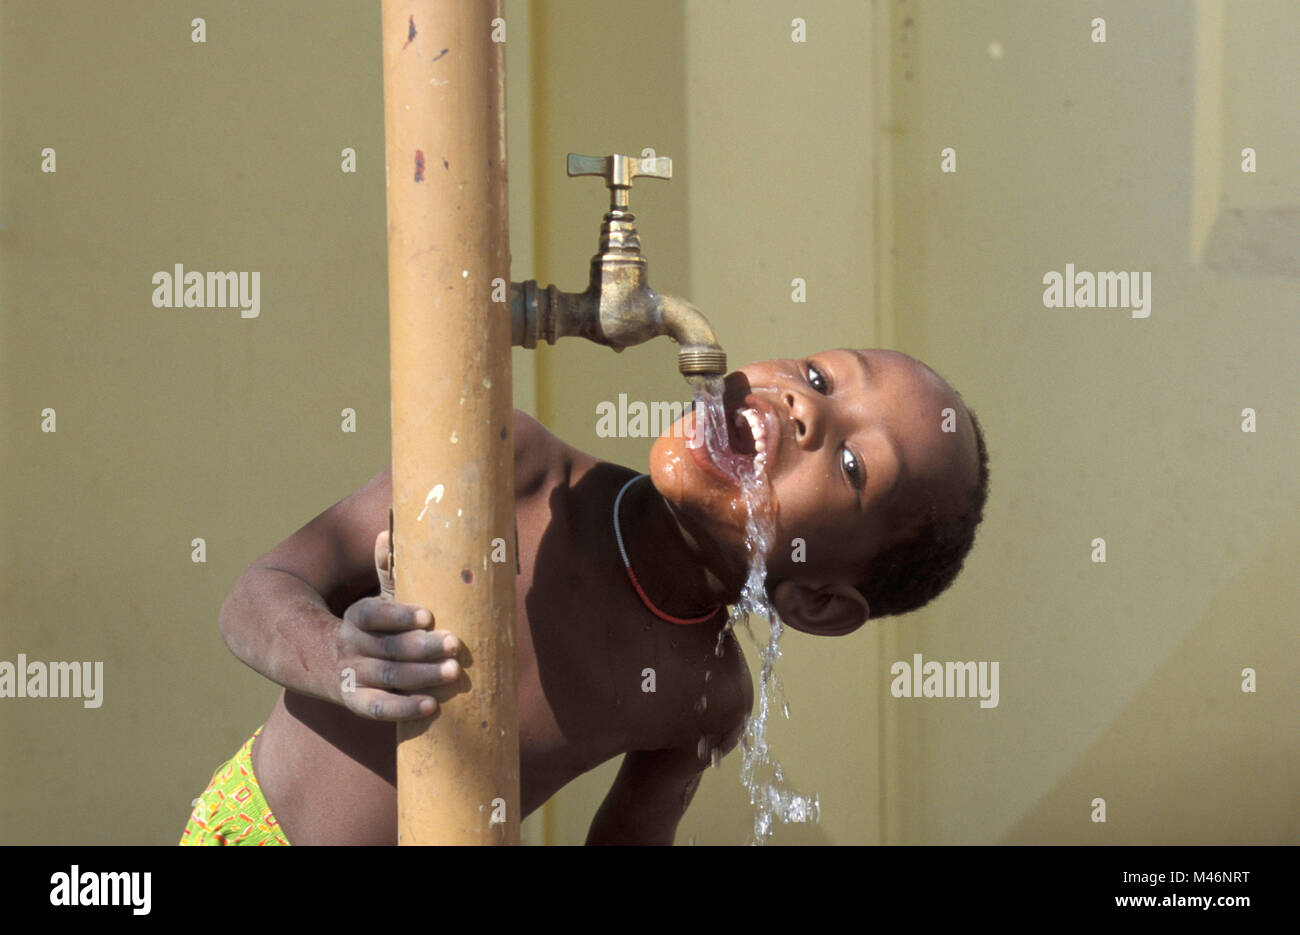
x: 860, y: 467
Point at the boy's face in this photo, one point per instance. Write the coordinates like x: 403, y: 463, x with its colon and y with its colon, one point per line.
x: 853, y: 450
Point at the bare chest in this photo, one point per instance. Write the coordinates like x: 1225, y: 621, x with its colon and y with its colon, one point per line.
x: 596, y: 676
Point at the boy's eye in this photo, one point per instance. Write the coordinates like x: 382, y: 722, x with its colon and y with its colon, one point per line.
x: 815, y: 379
x: 852, y: 469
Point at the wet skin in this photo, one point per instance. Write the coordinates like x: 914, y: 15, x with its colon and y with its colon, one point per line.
x: 852, y: 446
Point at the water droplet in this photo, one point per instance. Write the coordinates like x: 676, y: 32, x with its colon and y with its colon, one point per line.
x: 717, y: 755
x: 702, y: 705
x: 707, y: 675
x: 702, y: 748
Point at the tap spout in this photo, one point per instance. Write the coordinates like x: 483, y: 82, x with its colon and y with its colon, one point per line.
x: 701, y: 359
x: 618, y: 318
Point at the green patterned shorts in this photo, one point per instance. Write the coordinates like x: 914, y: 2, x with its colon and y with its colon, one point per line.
x: 232, y: 809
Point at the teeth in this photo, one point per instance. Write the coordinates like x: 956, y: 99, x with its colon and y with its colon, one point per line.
x: 759, y: 430
x: 756, y: 428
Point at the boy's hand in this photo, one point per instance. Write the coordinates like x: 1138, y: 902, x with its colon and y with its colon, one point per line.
x: 392, y: 654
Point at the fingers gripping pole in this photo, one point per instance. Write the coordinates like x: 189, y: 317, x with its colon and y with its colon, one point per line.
x: 453, y: 487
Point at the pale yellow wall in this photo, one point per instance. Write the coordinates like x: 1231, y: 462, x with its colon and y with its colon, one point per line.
x: 1119, y: 680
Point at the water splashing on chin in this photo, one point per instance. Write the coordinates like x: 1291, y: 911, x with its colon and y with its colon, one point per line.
x: 772, y: 798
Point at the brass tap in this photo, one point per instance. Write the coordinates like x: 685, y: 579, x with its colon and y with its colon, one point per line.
x: 618, y: 309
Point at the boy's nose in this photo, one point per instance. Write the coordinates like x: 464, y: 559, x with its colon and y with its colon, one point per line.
x: 803, y: 417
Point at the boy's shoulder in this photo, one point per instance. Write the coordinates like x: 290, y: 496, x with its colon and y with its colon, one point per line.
x: 538, y: 453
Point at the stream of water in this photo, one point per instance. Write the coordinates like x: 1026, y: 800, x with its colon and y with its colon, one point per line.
x: 773, y: 799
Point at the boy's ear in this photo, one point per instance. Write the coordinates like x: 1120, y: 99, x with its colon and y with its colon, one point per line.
x: 821, y: 609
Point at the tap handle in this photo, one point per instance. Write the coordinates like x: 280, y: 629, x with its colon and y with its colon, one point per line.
x: 619, y: 171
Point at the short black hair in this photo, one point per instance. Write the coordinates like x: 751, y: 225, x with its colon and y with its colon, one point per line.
x: 914, y: 571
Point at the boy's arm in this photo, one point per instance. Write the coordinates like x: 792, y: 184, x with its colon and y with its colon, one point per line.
x: 299, y: 616
x: 654, y: 787
x: 648, y: 798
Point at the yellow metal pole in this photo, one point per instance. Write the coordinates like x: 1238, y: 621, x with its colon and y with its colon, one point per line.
x: 449, y: 333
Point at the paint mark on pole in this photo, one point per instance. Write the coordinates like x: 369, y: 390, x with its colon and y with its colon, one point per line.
x: 441, y: 54
x: 434, y: 495
x: 410, y: 33
x: 419, y: 165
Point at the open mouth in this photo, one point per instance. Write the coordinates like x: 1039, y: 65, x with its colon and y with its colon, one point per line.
x: 741, y: 453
